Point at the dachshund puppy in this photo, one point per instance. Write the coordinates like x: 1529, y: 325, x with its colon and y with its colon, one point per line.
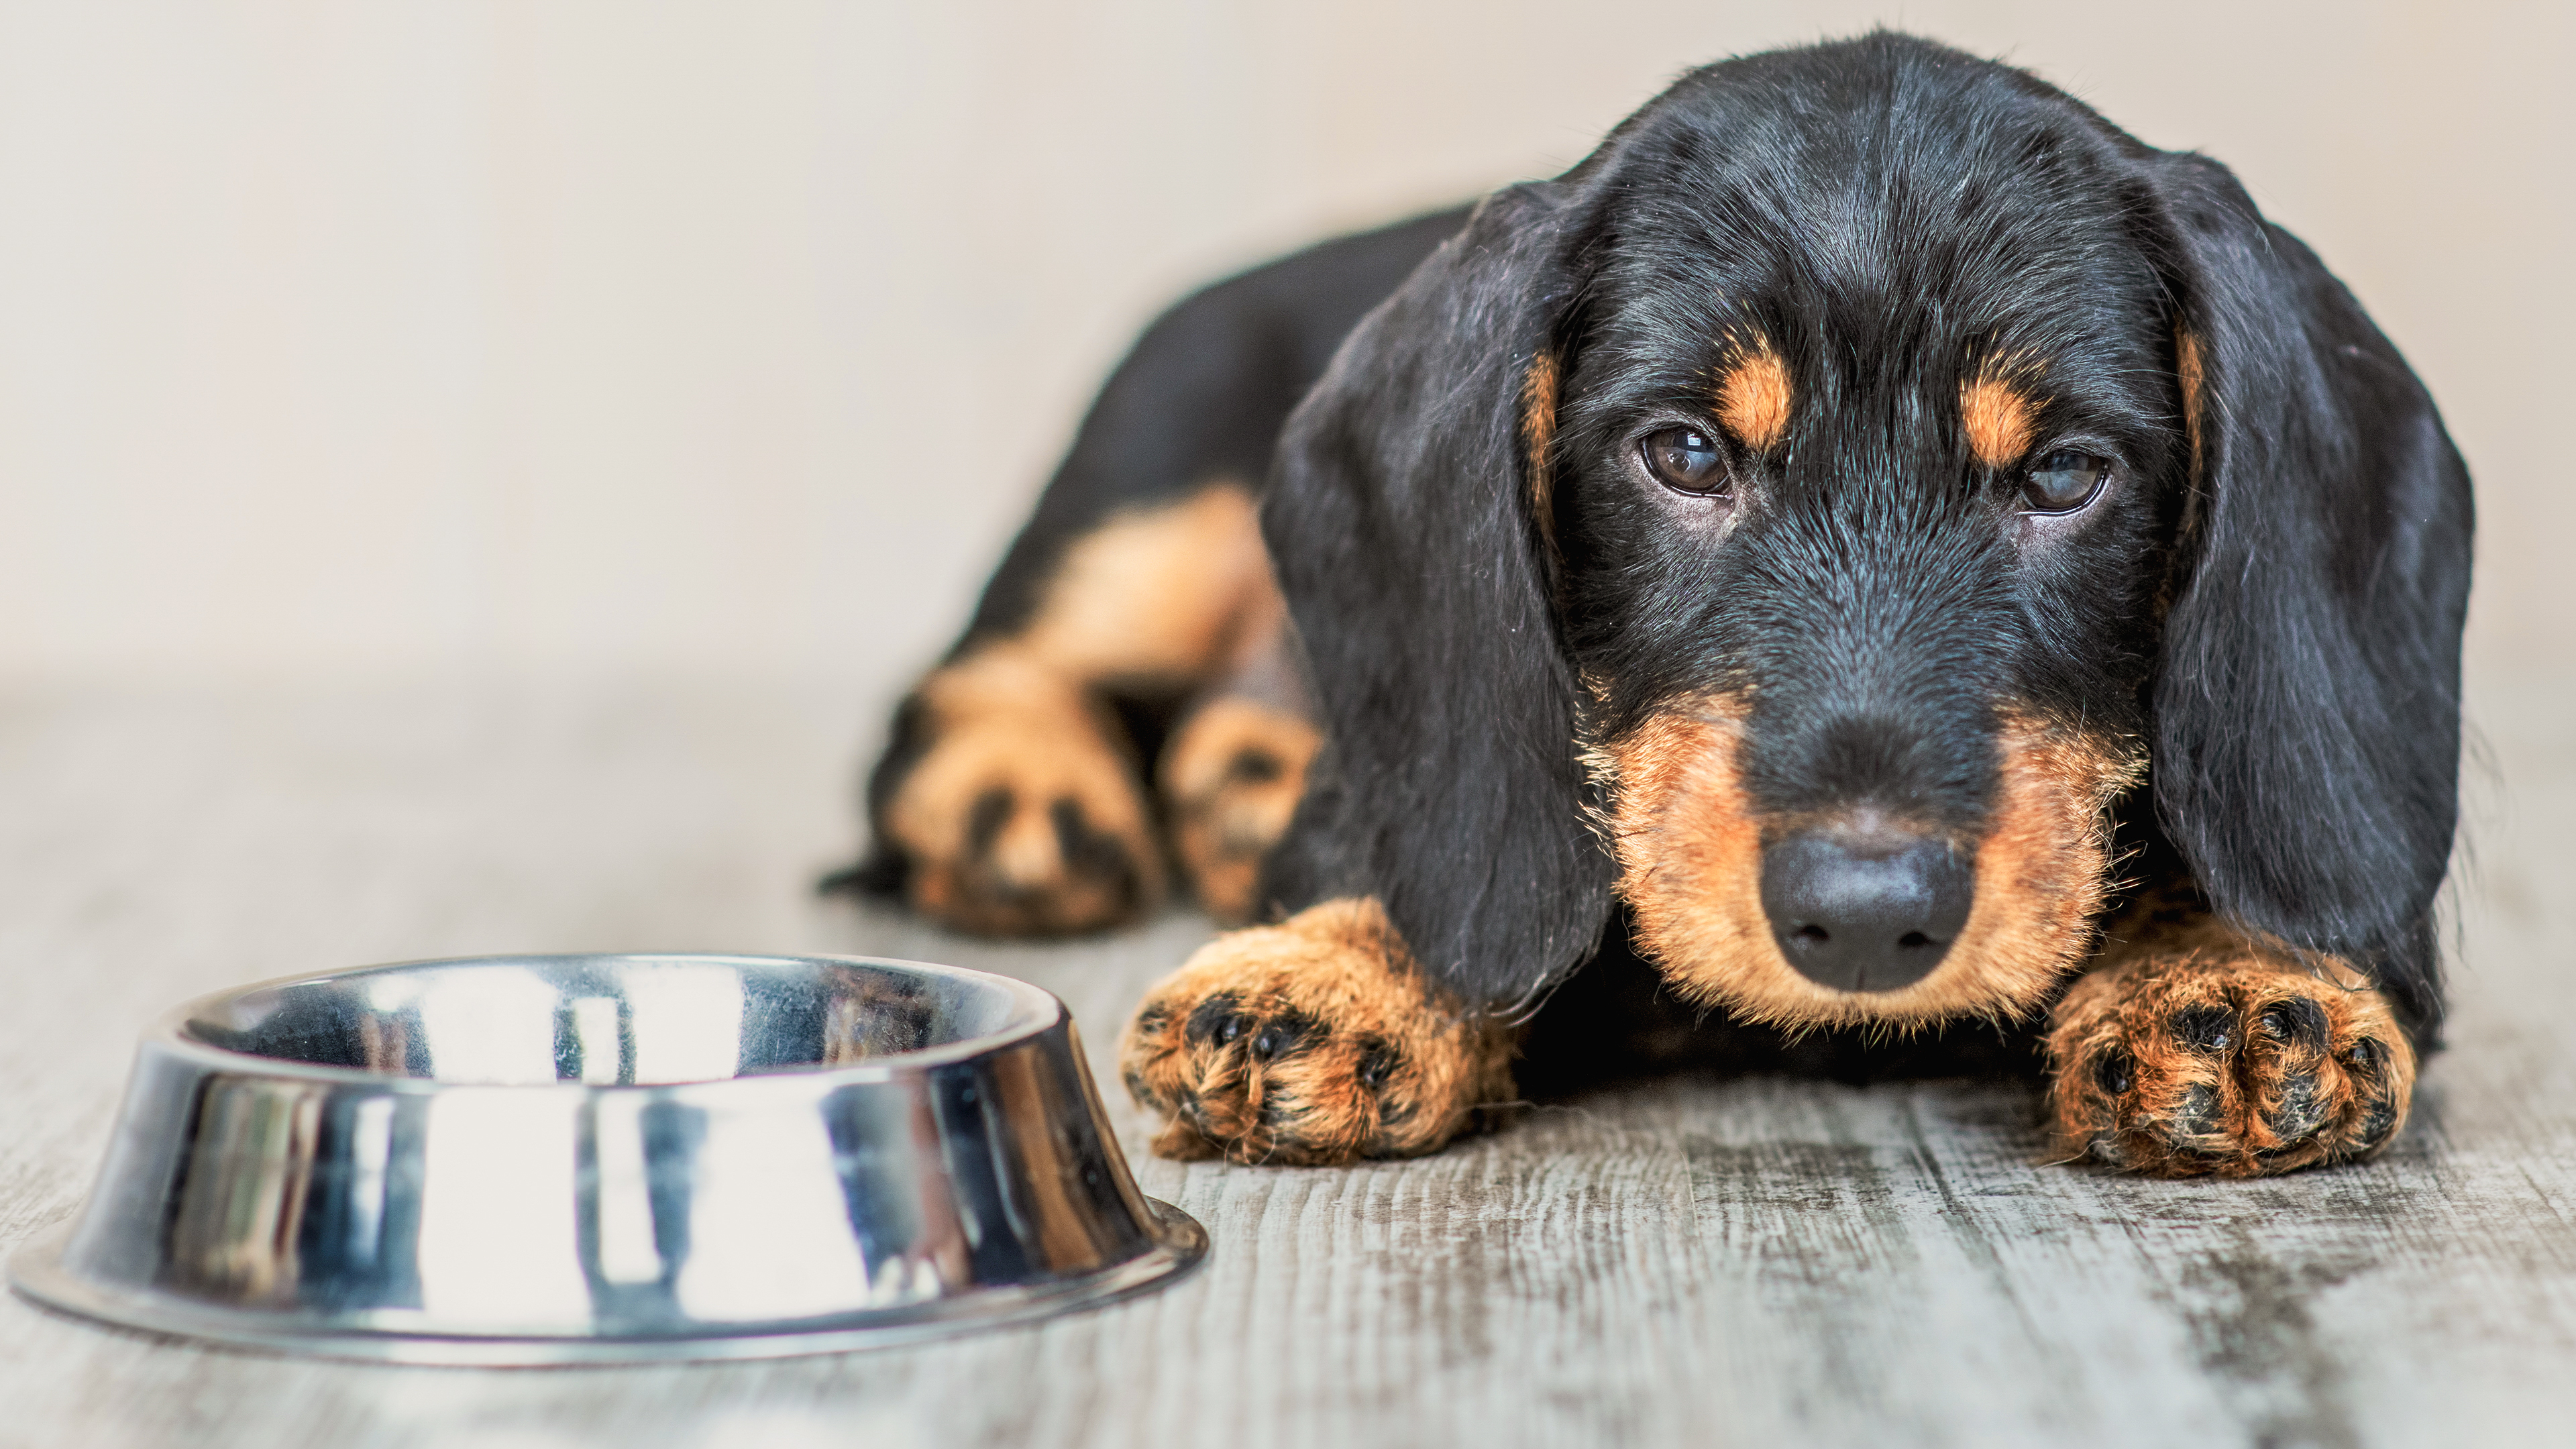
x: 1874, y: 543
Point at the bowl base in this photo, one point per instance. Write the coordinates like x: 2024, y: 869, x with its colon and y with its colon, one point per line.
x: 39, y: 1274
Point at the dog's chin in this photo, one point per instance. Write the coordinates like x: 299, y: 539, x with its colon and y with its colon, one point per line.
x: 1689, y: 846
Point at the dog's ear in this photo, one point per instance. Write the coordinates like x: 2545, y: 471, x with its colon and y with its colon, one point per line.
x: 1404, y: 518
x: 2307, y: 708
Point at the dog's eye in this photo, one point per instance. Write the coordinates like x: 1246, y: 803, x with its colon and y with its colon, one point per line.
x: 2063, y: 481
x: 1685, y: 460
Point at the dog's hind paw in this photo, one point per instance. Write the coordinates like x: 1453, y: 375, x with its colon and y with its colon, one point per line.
x: 1312, y: 1042
x: 2227, y: 1065
x: 1232, y: 778
x: 1022, y: 816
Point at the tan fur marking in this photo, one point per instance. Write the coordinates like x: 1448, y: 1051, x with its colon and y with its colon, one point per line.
x: 2187, y: 368
x: 1753, y: 398
x: 1004, y: 721
x: 1319, y: 1044
x: 2234, y: 1062
x: 1996, y: 421
x: 1232, y: 778
x: 1690, y: 853
x: 1161, y: 592
x: 1538, y: 434
x: 1171, y: 593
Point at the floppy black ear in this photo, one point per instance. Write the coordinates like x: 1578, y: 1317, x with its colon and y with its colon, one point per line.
x: 1401, y: 521
x: 2307, y: 712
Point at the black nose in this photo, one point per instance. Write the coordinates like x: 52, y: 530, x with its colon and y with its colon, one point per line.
x: 1865, y: 913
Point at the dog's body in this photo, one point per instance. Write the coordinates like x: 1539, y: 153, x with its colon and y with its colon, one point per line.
x: 1873, y: 540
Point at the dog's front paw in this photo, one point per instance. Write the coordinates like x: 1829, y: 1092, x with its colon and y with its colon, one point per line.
x: 1311, y: 1042
x: 1022, y: 816
x: 1232, y: 778
x: 2226, y: 1065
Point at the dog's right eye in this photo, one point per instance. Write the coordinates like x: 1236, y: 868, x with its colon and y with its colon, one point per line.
x: 1685, y: 460
x: 2064, y: 481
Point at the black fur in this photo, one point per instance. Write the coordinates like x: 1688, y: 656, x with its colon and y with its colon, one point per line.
x: 2308, y: 704
x: 1400, y: 529
x: 1201, y: 397
x: 1890, y: 214
x: 2278, y: 620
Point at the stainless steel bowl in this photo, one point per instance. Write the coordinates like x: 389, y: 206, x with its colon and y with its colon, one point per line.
x: 555, y: 1159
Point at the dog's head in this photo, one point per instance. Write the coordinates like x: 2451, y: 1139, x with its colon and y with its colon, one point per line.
x: 1805, y: 518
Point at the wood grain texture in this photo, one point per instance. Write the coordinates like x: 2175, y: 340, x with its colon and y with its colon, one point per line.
x: 1695, y: 1262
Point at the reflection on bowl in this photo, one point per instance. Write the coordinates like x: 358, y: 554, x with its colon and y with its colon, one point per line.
x: 586, y: 1158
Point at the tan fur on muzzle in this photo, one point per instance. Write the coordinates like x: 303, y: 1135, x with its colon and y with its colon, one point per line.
x: 1689, y: 844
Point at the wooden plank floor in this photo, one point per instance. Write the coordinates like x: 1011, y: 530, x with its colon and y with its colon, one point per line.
x: 1698, y: 1262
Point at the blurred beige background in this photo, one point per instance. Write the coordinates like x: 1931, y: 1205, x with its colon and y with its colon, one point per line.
x: 351, y: 339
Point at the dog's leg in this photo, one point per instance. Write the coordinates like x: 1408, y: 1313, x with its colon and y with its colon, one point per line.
x: 1012, y: 795
x: 1315, y: 1041
x: 1236, y: 767
x: 2195, y: 1052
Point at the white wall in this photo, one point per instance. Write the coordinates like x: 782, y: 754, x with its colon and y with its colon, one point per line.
x: 340, y: 337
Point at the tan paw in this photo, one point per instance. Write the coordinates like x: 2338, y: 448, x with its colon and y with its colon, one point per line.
x: 1023, y: 817
x: 2226, y: 1064
x: 1311, y: 1042
x: 1231, y: 779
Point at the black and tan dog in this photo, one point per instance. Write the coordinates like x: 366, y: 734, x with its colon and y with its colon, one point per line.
x: 1873, y: 543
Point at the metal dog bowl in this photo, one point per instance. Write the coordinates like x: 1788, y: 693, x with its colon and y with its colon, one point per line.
x: 563, y: 1159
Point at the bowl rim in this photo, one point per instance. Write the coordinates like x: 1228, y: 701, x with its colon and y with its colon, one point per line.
x: 1036, y: 1012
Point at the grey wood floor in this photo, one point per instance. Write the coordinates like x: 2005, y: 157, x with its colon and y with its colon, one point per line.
x: 1695, y: 1262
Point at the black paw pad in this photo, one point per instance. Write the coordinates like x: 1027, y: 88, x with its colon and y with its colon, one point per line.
x: 985, y: 819
x: 2377, y: 1121
x: 1284, y: 1034
x: 2367, y: 1063
x: 2297, y: 1022
x: 1254, y: 767
x: 2114, y: 1072
x: 2196, y: 1115
x: 2208, y: 1030
x: 1377, y: 1063
x: 2301, y: 1111
x: 1092, y: 854
x: 1217, y: 1020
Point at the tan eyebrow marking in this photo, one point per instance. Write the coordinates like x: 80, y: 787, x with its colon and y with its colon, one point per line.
x: 1996, y: 420
x: 1538, y: 431
x: 1538, y: 407
x: 1753, y: 397
x: 2187, y: 367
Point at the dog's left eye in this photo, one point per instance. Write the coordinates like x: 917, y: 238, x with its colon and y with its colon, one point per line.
x: 2063, y: 481
x: 1685, y: 460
